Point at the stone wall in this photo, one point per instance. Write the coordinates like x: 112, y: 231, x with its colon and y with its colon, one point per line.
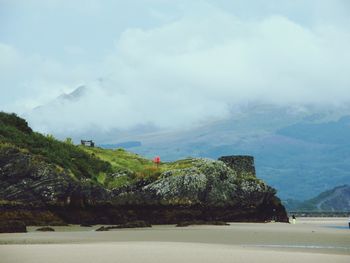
x: 240, y: 163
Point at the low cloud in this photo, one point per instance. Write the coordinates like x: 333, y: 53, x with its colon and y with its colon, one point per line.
x: 198, y: 67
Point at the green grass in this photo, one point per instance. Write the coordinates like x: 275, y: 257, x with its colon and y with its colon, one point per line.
x: 122, y: 159
x: 130, y: 167
x: 14, y: 132
x: 111, y: 168
x: 120, y: 181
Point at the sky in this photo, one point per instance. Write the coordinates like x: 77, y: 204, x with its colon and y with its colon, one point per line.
x: 168, y: 63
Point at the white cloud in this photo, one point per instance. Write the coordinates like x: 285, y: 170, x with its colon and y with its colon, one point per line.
x: 198, y: 66
x: 28, y: 81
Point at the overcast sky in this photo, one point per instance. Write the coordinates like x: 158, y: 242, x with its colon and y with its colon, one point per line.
x: 168, y: 62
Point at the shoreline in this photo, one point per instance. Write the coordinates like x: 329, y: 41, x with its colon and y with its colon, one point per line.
x: 312, y: 235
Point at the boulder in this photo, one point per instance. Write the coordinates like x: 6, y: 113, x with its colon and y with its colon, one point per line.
x: 133, y: 224
x: 45, y: 229
x: 201, y: 222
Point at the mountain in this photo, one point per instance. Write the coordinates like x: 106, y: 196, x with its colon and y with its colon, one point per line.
x: 63, y: 99
x: 334, y: 200
x: 67, y: 116
x: 298, y: 152
x: 124, y: 145
x: 301, y: 150
x: 46, y: 181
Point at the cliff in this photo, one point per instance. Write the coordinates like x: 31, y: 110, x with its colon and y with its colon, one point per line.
x: 44, y: 181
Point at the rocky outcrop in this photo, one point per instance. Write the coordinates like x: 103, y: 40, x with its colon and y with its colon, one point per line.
x: 44, y: 181
x: 28, y: 179
x: 206, y: 182
x: 206, y: 190
x: 133, y: 224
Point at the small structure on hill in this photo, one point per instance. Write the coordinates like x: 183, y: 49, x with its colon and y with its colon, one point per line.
x: 156, y: 160
x: 240, y: 163
x: 88, y: 143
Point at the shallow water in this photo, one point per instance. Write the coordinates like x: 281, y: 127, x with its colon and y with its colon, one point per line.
x: 339, y: 227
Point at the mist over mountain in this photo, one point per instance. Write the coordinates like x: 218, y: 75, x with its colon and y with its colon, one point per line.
x: 299, y: 165
x: 301, y: 150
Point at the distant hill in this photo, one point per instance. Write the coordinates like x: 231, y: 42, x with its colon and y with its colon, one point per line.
x: 124, y: 145
x: 333, y: 132
x: 299, y: 153
x: 334, y: 200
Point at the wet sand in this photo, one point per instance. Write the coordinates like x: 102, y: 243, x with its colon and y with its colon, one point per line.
x: 310, y: 240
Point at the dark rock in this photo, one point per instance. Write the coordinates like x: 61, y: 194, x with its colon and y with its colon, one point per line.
x: 45, y: 229
x: 12, y: 227
x: 104, y: 228
x: 200, y: 222
x: 29, y: 214
x: 26, y: 178
x: 134, y: 224
x: 241, y: 164
x: 207, y: 190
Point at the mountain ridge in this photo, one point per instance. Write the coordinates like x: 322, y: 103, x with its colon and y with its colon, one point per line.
x: 336, y: 199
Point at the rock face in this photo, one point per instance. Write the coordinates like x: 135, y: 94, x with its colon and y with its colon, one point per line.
x: 207, y: 190
x: 27, y: 179
x: 206, y: 182
x: 12, y: 227
x: 32, y: 191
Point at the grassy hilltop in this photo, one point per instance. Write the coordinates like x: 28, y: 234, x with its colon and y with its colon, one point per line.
x: 15, y: 133
x: 129, y: 167
x: 110, y: 168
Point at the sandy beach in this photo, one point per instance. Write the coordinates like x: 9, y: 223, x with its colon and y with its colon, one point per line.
x: 310, y: 240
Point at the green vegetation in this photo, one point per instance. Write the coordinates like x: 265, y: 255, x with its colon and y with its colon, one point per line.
x: 111, y: 168
x: 129, y: 167
x: 14, y: 132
